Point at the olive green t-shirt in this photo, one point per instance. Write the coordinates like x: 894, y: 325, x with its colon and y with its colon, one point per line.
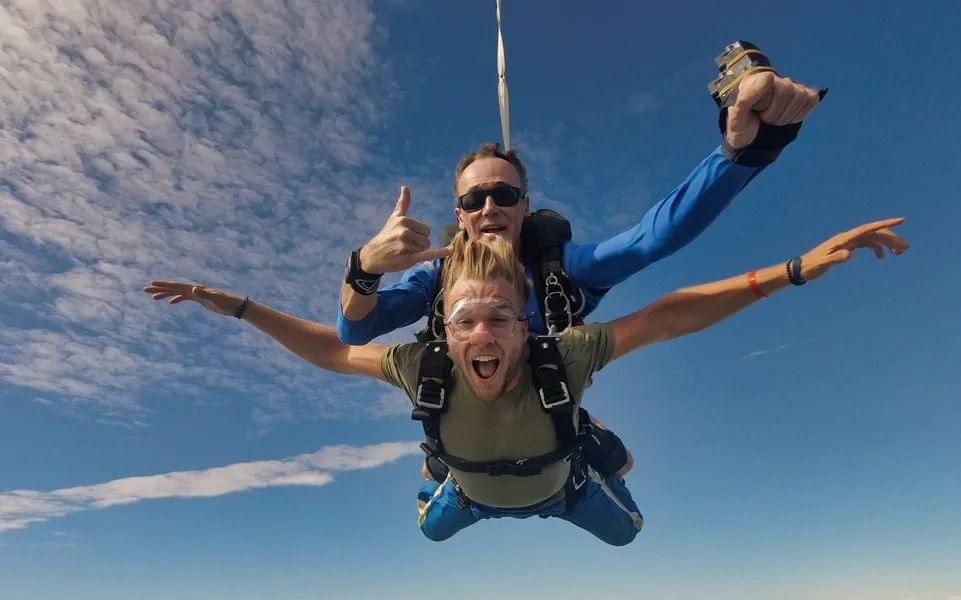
x: 513, y: 426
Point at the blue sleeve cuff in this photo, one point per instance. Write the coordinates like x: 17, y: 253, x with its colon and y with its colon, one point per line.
x: 356, y: 333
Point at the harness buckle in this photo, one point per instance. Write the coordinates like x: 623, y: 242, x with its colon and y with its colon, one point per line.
x: 564, y: 396
x: 552, y: 290
x: 420, y: 400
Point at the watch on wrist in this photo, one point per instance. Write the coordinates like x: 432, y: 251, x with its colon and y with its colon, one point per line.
x: 360, y: 281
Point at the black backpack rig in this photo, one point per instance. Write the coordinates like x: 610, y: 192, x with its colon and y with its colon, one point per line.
x: 543, y: 235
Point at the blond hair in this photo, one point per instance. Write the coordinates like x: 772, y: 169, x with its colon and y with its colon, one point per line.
x: 484, y: 259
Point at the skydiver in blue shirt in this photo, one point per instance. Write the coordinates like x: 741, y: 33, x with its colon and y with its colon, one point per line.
x: 491, y: 190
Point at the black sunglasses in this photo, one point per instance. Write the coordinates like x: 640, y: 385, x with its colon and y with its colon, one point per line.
x: 503, y: 195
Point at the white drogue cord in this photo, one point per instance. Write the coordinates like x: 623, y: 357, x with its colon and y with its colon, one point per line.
x: 502, y: 84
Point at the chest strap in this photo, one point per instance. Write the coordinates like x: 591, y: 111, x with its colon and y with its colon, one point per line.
x: 550, y: 381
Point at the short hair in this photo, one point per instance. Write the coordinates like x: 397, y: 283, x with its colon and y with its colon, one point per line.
x: 484, y: 259
x: 491, y: 150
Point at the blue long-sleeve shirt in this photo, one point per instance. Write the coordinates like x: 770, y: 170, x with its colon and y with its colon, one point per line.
x: 666, y: 227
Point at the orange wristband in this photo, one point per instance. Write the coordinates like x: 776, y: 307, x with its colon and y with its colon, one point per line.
x: 752, y: 283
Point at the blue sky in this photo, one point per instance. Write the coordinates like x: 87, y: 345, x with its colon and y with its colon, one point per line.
x: 808, y: 447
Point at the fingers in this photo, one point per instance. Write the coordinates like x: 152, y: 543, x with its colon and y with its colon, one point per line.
x: 755, y: 92
x: 796, y: 109
x: 790, y: 102
x: 403, y: 202
x: 781, y: 96
x: 414, y: 225
x: 878, y: 248
x: 849, y: 237
x: 839, y: 256
x: 432, y: 254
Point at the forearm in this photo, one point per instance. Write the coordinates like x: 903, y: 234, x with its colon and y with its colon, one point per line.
x: 698, y: 307
x: 669, y: 225
x: 309, y: 340
x: 355, y: 306
x: 692, y: 309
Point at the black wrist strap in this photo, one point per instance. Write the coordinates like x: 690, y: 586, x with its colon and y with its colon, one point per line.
x: 360, y: 281
x: 793, y: 268
x: 242, y: 308
x: 766, y: 147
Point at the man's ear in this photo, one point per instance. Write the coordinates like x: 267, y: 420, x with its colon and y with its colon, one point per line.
x: 460, y: 220
x: 527, y: 206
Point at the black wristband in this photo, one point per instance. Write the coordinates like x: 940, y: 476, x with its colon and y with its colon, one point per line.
x: 242, y: 308
x: 766, y: 146
x: 793, y: 267
x: 360, y: 281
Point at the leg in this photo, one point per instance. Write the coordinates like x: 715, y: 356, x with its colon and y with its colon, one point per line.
x: 607, y: 511
x: 441, y: 513
x: 604, y: 450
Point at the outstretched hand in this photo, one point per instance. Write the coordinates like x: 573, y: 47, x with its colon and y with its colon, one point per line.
x: 840, y: 248
x: 402, y: 243
x: 212, y: 299
x: 769, y: 98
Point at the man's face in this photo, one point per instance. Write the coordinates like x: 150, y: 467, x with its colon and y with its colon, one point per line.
x: 503, y: 221
x: 484, y: 339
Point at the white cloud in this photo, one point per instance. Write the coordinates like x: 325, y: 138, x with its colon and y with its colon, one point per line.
x: 227, y: 143
x: 20, y: 508
x: 764, y: 351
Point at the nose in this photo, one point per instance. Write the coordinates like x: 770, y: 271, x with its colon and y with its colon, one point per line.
x: 481, y: 335
x: 489, y: 206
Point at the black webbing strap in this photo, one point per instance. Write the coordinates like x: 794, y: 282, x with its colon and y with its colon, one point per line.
x: 543, y: 236
x: 434, y: 330
x: 430, y: 399
x: 524, y: 467
x: 550, y: 381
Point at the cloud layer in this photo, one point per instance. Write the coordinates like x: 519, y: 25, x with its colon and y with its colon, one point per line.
x: 220, y: 142
x: 20, y: 508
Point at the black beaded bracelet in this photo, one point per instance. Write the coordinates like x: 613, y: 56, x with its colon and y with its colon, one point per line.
x: 240, y: 309
x: 793, y: 267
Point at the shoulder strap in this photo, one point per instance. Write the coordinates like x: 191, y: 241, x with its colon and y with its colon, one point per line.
x: 550, y: 381
x: 434, y: 329
x: 430, y: 399
x: 543, y: 236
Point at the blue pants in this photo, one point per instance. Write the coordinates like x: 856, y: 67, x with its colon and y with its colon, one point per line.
x: 606, y: 510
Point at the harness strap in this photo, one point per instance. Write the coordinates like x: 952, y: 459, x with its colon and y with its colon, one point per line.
x: 523, y: 467
x: 543, y: 235
x: 550, y: 380
x: 430, y: 400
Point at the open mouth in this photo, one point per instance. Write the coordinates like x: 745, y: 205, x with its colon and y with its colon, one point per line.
x: 485, y: 366
x: 494, y: 229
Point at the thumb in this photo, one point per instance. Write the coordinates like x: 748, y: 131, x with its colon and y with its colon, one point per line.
x: 432, y: 254
x: 403, y: 202
x: 839, y: 256
x: 755, y: 92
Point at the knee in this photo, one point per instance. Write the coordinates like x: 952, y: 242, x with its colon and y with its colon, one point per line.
x: 628, y: 465
x: 624, y: 535
x: 434, y: 533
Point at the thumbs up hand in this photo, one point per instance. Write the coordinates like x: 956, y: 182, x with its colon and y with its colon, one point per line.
x: 402, y: 243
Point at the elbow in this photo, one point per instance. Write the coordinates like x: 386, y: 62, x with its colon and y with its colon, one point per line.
x: 353, y: 333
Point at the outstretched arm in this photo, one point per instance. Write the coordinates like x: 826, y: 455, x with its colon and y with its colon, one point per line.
x: 695, y: 308
x: 692, y: 206
x: 309, y: 340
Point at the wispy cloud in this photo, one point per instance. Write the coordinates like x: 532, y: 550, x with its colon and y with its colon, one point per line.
x: 20, y: 508
x: 228, y: 143
x: 765, y: 351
